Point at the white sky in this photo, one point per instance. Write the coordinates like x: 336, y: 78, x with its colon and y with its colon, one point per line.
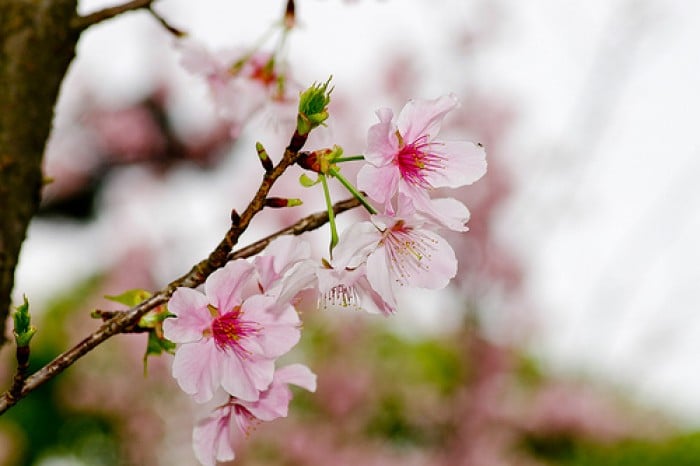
x: 604, y: 155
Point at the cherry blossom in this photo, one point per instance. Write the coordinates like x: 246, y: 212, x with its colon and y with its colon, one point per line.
x: 212, y: 436
x: 230, y: 336
x: 241, y: 83
x: 404, y: 157
x: 389, y: 252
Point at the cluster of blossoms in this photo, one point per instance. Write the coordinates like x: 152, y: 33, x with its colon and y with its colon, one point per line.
x: 400, y: 247
x: 230, y: 336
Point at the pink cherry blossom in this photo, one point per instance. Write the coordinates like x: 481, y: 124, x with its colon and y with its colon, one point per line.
x: 230, y: 336
x: 212, y: 437
x: 395, y: 251
x: 404, y: 157
x: 241, y: 83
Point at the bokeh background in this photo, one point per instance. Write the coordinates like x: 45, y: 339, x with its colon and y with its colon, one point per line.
x: 569, y: 335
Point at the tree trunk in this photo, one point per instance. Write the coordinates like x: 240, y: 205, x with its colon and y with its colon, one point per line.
x: 37, y: 44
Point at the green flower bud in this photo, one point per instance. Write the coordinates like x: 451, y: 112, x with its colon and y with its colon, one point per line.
x: 313, y: 107
x: 23, y: 329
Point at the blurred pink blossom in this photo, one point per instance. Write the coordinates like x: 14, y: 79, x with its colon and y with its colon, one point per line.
x: 241, y: 82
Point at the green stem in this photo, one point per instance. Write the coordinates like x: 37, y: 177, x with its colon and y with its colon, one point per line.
x: 331, y: 214
x: 335, y: 173
x: 351, y: 158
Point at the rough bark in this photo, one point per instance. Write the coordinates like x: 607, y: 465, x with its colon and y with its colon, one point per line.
x: 37, y: 44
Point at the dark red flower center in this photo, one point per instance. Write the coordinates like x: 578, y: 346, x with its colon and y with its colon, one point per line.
x: 416, y: 162
x: 230, y: 331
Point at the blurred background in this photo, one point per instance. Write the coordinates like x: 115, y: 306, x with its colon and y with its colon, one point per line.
x: 568, y: 336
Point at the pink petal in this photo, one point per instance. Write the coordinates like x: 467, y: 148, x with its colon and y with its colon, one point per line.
x: 382, y: 144
x: 196, y: 368
x: 355, y: 243
x: 273, y: 403
x: 436, y: 270
x: 465, y: 162
x: 300, y: 277
x: 211, y: 438
x: 192, y: 316
x: 380, y: 277
x: 280, y: 324
x: 236, y: 380
x: 386, y: 308
x: 379, y: 183
x: 196, y: 58
x: 423, y: 117
x: 447, y: 212
x: 225, y: 287
x: 296, y: 374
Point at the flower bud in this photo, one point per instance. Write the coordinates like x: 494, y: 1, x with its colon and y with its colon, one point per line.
x: 279, y: 202
x: 313, y: 107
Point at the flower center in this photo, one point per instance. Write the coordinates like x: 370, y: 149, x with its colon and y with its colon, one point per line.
x: 409, y: 251
x: 340, y: 296
x: 230, y: 332
x: 245, y: 420
x: 416, y: 162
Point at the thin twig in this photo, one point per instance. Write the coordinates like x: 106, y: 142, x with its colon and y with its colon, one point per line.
x: 168, y: 27
x: 18, y: 381
x: 196, y: 276
x: 81, y: 23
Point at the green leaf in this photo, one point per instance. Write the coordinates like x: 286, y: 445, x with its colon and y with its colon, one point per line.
x: 307, y: 182
x: 130, y: 297
x: 155, y: 346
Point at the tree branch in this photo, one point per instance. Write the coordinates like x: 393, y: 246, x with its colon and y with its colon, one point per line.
x: 36, y: 47
x: 80, y: 23
x: 122, y: 321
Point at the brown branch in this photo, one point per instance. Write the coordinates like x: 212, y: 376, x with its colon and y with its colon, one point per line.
x: 36, y: 47
x: 81, y: 23
x: 123, y: 321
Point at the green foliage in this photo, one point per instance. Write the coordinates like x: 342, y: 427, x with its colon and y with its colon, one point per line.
x: 157, y: 344
x: 683, y: 450
x: 44, y: 427
x: 130, y: 297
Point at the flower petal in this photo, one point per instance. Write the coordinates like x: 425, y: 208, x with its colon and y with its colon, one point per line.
x: 423, y: 117
x: 235, y: 379
x: 464, y: 163
x: 438, y: 268
x: 197, y: 369
x: 191, y: 316
x: 380, y: 183
x: 380, y: 277
x: 297, y: 374
x: 280, y: 324
x: 211, y: 438
x: 382, y: 144
x: 355, y: 243
x: 227, y: 286
x: 447, y: 212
